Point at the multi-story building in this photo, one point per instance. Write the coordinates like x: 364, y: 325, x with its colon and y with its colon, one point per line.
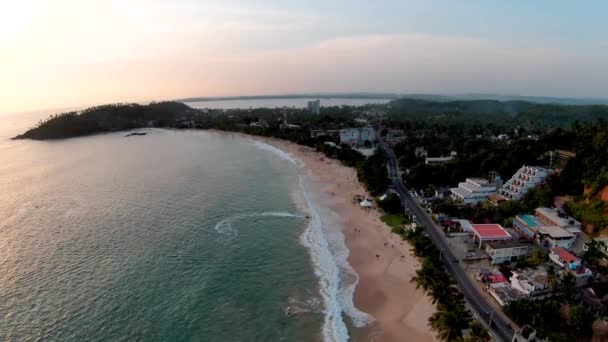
x: 357, y: 136
x: 549, y: 227
x: 314, y: 106
x: 555, y: 217
x: 473, y: 190
x: 526, y: 178
x: 507, y: 251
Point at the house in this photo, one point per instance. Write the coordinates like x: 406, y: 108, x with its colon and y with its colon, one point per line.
x: 531, y: 282
x: 473, y: 190
x: 555, y: 236
x: 503, y: 293
x: 505, y: 251
x: 526, y: 178
x: 564, y: 258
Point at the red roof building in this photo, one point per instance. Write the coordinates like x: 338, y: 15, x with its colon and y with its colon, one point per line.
x: 489, y: 232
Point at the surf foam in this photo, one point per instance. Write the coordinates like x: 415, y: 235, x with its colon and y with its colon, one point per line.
x: 224, y: 226
x: 276, y: 151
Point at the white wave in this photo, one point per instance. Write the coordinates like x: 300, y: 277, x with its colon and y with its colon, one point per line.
x: 337, y: 296
x: 278, y: 152
x: 224, y: 226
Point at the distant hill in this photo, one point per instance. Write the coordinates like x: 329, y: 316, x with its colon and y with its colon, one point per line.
x: 394, y: 96
x: 524, y: 113
x: 110, y: 118
x: 365, y: 96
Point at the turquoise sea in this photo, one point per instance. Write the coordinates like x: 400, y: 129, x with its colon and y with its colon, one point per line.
x: 172, y: 236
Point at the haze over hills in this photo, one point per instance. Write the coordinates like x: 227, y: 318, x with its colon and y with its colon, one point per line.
x: 419, y: 96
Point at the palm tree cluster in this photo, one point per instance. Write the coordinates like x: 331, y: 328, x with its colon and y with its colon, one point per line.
x: 451, y: 317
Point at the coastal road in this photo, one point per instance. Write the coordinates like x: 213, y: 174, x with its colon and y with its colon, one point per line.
x: 499, y: 325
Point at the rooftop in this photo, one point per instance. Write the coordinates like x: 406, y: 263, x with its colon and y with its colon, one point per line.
x: 529, y: 220
x: 490, y: 231
x: 507, y: 244
x: 564, y: 254
x: 556, y: 217
x: 555, y: 232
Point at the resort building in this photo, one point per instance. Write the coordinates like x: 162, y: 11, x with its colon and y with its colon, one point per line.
x: 357, y: 136
x: 473, y: 190
x: 506, y: 251
x: 526, y: 178
x: 549, y: 227
x: 314, y: 106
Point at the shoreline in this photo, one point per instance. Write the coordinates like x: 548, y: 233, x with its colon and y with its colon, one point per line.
x: 383, y: 289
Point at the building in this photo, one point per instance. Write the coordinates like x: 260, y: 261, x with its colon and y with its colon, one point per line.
x: 485, y: 233
x: 525, y: 334
x: 563, y: 258
x: 420, y: 152
x: 569, y: 261
x: 555, y: 236
x: 526, y: 178
x: 503, y: 293
x: 526, y: 225
x: 548, y: 227
x: 473, y: 191
x: 314, y: 106
x: 437, y: 160
x: 357, y: 136
x: 555, y: 217
x: 531, y: 282
x: 506, y: 251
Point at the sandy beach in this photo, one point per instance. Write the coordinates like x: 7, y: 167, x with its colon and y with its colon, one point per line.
x: 384, y: 290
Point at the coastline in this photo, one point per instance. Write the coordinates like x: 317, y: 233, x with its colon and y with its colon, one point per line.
x: 383, y: 289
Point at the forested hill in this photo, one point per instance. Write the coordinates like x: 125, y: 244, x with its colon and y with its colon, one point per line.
x: 110, y: 118
x: 505, y: 113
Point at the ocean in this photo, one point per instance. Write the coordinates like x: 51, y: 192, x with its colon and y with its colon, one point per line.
x: 172, y: 236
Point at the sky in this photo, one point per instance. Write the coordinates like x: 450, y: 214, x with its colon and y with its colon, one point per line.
x: 67, y: 53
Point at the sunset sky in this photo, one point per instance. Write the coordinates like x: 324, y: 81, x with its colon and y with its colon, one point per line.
x: 65, y: 53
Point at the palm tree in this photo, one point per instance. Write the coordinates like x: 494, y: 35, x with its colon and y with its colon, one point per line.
x: 478, y: 333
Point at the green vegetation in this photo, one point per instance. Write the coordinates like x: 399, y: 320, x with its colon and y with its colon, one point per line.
x: 373, y: 173
x: 117, y: 117
x: 559, y: 317
x: 395, y: 221
x: 451, y: 317
x: 391, y: 204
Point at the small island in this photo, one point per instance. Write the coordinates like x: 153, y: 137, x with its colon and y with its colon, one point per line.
x: 135, y: 134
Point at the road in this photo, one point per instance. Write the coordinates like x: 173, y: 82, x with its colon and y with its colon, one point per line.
x: 499, y: 325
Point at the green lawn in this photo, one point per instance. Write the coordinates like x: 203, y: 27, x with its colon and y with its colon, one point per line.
x: 394, y: 220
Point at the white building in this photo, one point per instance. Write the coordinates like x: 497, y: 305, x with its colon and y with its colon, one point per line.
x: 357, y: 136
x: 473, y: 190
x: 531, y: 282
x: 555, y: 236
x: 554, y: 217
x: 507, y: 251
x: 314, y: 106
x: 526, y: 178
